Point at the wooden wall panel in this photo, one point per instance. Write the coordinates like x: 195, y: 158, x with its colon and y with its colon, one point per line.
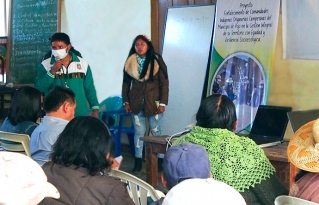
x: 158, y: 17
x: 180, y: 2
x: 154, y: 23
x: 205, y: 2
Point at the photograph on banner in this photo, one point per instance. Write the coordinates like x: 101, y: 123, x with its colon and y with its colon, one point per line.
x: 242, y: 55
x: 3, y: 52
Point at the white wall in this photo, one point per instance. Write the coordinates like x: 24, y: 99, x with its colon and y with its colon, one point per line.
x: 103, y: 31
x: 4, y: 16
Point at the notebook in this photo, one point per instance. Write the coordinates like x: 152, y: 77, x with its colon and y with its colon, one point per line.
x: 269, y: 126
x: 299, y: 118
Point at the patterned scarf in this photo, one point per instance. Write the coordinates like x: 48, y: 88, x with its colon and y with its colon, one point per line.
x: 140, y: 62
x: 236, y: 161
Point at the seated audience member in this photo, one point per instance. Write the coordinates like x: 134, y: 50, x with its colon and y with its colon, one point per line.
x: 23, y: 181
x: 181, y: 162
x: 203, y: 191
x: 303, y: 152
x: 236, y: 161
x: 79, y: 166
x: 24, y: 112
x: 59, y: 106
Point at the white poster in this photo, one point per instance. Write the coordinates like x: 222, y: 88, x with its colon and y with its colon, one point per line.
x: 187, y: 40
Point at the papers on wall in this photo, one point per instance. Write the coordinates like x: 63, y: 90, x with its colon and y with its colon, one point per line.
x: 300, y: 29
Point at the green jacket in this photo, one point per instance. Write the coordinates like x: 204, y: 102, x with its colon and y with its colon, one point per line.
x: 78, y: 77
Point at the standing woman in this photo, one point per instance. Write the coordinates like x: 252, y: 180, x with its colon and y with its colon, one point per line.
x: 66, y: 67
x: 144, y: 91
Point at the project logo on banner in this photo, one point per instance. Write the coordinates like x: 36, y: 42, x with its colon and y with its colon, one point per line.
x: 243, y: 54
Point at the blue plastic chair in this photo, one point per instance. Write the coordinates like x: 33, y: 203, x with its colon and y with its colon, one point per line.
x: 113, y: 102
x: 114, y: 115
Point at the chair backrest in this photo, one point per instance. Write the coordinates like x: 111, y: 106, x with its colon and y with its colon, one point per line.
x: 113, y: 102
x: 115, y: 121
x: 289, y: 200
x: 138, y: 189
x: 24, y: 139
x: 125, y: 128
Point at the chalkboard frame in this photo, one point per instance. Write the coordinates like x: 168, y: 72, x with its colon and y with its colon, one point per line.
x: 45, y: 39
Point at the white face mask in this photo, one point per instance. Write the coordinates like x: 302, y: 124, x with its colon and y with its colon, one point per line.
x: 59, y: 54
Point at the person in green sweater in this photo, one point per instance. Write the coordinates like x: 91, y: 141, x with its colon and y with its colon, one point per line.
x: 64, y: 66
x: 236, y: 161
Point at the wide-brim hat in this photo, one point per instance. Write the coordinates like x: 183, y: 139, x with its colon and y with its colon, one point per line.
x: 203, y: 191
x: 23, y: 180
x: 302, y: 150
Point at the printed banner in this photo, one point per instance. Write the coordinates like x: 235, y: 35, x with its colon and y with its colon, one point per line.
x: 243, y: 54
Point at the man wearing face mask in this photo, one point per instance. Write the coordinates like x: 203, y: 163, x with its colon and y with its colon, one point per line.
x: 64, y: 66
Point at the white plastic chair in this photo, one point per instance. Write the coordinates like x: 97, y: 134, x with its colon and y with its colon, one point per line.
x: 24, y: 139
x: 138, y: 189
x: 289, y: 200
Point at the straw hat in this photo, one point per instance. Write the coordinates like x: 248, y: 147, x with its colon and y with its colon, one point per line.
x: 303, y: 147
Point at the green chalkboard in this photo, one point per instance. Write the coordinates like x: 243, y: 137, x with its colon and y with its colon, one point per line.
x: 33, y: 22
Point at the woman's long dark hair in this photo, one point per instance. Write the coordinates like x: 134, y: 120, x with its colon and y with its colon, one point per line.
x: 25, y: 105
x: 150, y: 56
x: 217, y: 111
x: 85, y: 142
x: 64, y: 38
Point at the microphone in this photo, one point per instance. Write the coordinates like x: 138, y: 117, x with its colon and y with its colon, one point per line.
x: 57, y: 58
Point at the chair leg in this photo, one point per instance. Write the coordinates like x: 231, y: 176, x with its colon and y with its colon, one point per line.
x: 117, y: 143
x: 130, y: 137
